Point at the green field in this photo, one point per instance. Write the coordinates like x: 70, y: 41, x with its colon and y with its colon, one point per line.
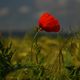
x: 51, y: 58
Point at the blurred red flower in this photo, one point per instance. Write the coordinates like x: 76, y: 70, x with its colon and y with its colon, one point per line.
x: 49, y: 23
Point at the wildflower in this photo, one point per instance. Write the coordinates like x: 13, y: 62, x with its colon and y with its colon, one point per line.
x: 49, y: 23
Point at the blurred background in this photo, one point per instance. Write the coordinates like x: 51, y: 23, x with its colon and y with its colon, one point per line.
x: 22, y: 15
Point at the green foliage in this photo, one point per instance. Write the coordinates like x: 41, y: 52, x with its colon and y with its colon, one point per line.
x: 6, y: 53
x: 63, y: 64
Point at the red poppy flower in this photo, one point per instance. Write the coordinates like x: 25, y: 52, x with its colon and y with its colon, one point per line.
x: 49, y: 23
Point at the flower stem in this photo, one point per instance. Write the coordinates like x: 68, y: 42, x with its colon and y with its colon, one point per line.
x: 33, y: 41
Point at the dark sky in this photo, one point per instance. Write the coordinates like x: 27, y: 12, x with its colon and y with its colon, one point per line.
x: 23, y: 14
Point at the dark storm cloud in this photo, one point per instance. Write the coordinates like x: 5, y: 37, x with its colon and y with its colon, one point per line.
x: 4, y: 11
x: 15, y: 14
x: 22, y: 14
x: 72, y: 12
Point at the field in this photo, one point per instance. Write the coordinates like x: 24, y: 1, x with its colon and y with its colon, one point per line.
x: 45, y: 58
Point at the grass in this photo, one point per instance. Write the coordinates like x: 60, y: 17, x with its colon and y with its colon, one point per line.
x: 53, y: 58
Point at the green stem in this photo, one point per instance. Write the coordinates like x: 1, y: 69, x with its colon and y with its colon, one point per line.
x: 34, y: 41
